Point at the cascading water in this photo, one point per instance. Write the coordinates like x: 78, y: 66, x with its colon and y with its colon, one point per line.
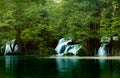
x: 102, y: 51
x: 72, y: 49
x: 14, y: 46
x: 63, y: 47
x: 7, y: 49
x: 10, y: 47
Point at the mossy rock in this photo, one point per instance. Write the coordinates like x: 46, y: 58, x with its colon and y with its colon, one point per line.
x: 68, y: 54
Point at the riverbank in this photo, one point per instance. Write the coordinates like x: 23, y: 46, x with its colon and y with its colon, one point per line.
x: 83, y: 57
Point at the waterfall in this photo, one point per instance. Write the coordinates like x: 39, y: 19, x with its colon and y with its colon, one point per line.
x: 10, y: 47
x: 102, y: 51
x: 7, y: 49
x: 14, y: 46
x: 72, y: 49
x: 63, y: 47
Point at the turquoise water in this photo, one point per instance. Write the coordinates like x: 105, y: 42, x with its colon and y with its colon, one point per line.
x: 35, y: 67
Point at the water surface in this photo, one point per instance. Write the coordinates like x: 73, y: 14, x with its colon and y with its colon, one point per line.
x: 35, y: 67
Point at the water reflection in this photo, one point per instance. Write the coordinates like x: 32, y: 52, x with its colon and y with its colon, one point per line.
x: 11, y: 63
x: 105, y: 68
x: 65, y: 67
x: 109, y: 68
x: 66, y: 64
x: 102, y: 63
x: 32, y: 67
x: 91, y: 68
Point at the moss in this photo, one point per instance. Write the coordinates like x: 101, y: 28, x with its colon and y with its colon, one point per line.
x: 82, y: 52
x: 68, y: 54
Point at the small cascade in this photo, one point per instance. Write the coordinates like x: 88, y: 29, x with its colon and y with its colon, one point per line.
x: 7, y: 49
x: 63, y: 47
x: 14, y: 46
x: 72, y: 49
x: 10, y: 48
x: 102, y: 51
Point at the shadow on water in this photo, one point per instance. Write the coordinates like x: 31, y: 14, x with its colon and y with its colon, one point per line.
x: 34, y: 67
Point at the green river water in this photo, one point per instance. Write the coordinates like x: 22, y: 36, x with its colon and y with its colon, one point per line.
x: 35, y: 67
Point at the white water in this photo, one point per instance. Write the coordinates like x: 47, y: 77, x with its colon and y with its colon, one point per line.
x: 11, y: 46
x: 7, y: 49
x: 102, y: 50
x: 63, y: 47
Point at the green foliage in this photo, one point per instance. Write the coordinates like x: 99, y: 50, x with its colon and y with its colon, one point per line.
x: 42, y: 22
x: 109, y: 18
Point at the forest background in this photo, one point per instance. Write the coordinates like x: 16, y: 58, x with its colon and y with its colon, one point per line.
x: 37, y: 25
